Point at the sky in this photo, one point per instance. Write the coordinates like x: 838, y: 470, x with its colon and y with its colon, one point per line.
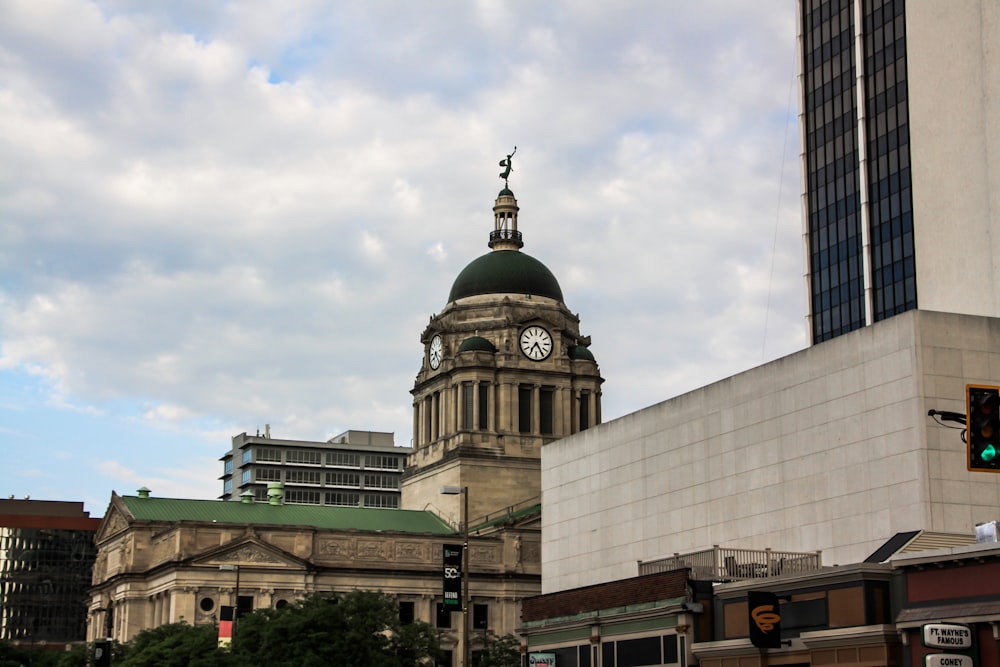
x: 220, y: 216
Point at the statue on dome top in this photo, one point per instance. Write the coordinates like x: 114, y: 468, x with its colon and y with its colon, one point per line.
x: 505, y: 163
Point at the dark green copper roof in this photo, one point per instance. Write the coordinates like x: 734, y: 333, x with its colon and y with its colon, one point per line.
x: 476, y: 343
x: 505, y: 272
x: 317, y: 516
x: 581, y: 352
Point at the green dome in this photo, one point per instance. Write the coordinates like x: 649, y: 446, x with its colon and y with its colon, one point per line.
x: 505, y: 272
x: 476, y: 343
x: 581, y: 352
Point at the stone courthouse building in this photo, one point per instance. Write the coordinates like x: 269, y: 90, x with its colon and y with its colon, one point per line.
x: 505, y: 370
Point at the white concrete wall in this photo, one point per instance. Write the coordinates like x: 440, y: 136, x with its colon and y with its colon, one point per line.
x: 953, y: 73
x: 827, y: 449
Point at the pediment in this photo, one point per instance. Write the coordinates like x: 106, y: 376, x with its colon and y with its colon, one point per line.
x: 249, y: 551
x: 116, y: 520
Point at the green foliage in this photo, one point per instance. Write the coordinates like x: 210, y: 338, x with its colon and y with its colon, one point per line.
x: 18, y: 656
x: 360, y: 628
x: 175, y: 645
x: 499, y: 652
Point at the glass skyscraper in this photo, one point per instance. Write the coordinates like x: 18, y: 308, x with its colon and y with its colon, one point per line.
x: 898, y: 203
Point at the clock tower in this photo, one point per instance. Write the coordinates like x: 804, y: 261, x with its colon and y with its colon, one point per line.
x: 505, y: 370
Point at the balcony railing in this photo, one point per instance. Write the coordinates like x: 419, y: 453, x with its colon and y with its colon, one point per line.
x: 723, y: 564
x: 506, y: 235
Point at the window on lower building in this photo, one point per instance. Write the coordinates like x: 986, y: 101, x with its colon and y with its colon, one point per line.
x: 268, y: 474
x: 301, y: 497
x: 480, y: 616
x: 245, y: 477
x: 351, y: 479
x: 406, y: 612
x: 467, y: 403
x: 271, y: 454
x: 343, y: 499
x: 443, y: 616
x: 446, y: 660
x: 304, y: 457
x: 381, y: 500
x: 382, y: 461
x: 378, y: 481
x: 524, y: 409
x: 342, y: 459
x: 484, y: 405
x: 584, y: 410
x: 546, y: 401
x: 302, y: 477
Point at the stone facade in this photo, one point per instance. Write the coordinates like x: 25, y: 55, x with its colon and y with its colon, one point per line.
x: 149, y: 573
x: 482, y: 406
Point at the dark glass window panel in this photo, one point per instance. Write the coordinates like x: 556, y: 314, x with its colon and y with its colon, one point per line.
x: 480, y: 616
x: 406, y: 612
x: 524, y: 409
x: 546, y: 399
x: 467, y: 405
x: 442, y: 616
x: 636, y: 652
x: 484, y: 405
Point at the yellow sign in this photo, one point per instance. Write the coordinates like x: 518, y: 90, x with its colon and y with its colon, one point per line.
x: 764, y: 617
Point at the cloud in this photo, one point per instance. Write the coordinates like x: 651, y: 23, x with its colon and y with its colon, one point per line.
x: 218, y: 216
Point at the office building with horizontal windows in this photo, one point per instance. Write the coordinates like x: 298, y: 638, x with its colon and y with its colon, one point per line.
x: 353, y: 469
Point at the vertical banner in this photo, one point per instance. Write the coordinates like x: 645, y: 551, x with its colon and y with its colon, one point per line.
x: 765, y: 619
x: 225, y: 626
x: 452, y: 576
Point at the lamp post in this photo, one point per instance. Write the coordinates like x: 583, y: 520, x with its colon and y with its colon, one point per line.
x: 464, y: 491
x: 236, y: 605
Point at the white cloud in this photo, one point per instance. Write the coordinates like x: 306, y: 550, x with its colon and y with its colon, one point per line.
x: 217, y: 215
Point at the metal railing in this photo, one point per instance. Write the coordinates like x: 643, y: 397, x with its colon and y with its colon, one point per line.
x: 724, y: 564
x: 505, y: 514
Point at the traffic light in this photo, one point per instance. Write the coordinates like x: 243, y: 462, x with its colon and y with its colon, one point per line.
x: 982, y: 423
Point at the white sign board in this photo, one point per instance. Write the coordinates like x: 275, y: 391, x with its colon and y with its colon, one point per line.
x: 947, y: 635
x: 947, y: 660
x: 542, y: 660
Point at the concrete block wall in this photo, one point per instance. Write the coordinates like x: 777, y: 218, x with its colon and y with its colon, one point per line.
x: 827, y: 449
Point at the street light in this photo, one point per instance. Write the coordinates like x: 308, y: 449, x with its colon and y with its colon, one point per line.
x: 452, y: 490
x: 236, y: 605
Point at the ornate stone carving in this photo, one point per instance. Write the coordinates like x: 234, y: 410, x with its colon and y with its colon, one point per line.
x: 412, y: 551
x: 116, y: 523
x: 484, y: 554
x: 249, y: 554
x: 336, y: 548
x: 372, y: 549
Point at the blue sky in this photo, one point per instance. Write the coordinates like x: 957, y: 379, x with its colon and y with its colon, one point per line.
x: 216, y: 216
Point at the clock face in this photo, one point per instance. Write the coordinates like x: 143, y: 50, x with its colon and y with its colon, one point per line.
x: 536, y: 342
x: 436, y: 351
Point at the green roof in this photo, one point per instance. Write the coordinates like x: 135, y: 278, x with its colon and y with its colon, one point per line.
x: 317, y: 516
x: 476, y: 343
x: 505, y: 272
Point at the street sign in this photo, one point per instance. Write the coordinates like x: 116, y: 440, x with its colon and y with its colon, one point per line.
x: 947, y: 635
x: 948, y: 660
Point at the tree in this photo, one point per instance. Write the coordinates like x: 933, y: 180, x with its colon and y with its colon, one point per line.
x: 499, y: 652
x: 175, y: 645
x: 361, y: 628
